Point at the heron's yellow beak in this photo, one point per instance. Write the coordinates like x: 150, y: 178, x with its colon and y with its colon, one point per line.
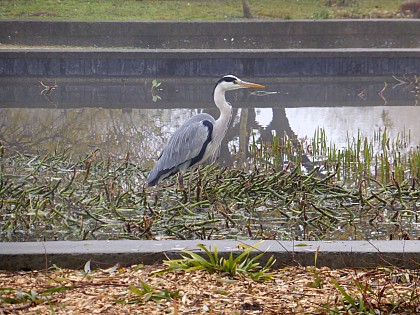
x: 250, y: 85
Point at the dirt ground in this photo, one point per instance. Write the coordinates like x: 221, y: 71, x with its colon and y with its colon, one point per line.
x: 135, y: 290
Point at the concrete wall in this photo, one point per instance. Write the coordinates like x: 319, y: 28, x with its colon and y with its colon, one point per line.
x: 192, y: 63
x: 216, y: 35
x: 191, y: 49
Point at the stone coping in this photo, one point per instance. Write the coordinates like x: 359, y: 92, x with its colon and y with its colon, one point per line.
x: 333, y: 254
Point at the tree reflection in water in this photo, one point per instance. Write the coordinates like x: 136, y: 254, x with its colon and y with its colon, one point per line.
x: 118, y: 116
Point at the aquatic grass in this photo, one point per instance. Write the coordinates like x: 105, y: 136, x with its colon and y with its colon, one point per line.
x: 285, y: 191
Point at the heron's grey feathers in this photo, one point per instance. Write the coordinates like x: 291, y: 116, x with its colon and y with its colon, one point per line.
x: 198, y: 140
x: 184, y: 145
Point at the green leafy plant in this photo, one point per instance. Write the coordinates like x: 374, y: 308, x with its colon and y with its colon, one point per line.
x: 16, y: 296
x: 147, y: 293
x: 241, y: 265
x: 155, y: 86
x: 317, y: 282
x: 357, y: 304
x: 367, y: 299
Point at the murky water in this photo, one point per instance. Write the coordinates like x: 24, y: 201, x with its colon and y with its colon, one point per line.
x: 119, y: 116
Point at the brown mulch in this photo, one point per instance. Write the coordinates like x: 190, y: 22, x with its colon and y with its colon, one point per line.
x: 294, y: 290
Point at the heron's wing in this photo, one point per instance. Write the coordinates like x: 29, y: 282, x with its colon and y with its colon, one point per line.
x: 184, y: 147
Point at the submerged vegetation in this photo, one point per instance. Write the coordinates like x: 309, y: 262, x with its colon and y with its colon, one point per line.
x: 288, y: 189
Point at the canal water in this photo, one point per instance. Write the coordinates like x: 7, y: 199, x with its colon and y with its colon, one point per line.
x: 137, y: 116
x: 118, y: 116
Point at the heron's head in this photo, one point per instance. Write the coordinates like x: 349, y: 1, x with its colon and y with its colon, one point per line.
x: 230, y: 82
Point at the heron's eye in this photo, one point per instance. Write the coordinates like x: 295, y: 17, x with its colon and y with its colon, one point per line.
x: 229, y: 78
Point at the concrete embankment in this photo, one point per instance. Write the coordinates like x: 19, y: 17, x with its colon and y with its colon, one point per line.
x: 191, y: 49
x: 251, y: 34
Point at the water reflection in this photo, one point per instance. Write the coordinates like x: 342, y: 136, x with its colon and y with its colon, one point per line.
x: 119, y: 116
x: 341, y: 123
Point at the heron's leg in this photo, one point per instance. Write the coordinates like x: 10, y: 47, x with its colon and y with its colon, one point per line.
x: 181, y: 186
x: 181, y: 181
x: 189, y: 182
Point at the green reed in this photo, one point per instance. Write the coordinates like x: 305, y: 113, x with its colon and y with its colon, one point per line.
x: 380, y: 158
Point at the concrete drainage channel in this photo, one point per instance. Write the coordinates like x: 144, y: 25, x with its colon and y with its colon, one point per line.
x: 209, y: 49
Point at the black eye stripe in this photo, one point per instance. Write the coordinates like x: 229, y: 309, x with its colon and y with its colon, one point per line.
x: 229, y: 78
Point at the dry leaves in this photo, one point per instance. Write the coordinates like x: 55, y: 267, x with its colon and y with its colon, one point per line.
x: 294, y: 290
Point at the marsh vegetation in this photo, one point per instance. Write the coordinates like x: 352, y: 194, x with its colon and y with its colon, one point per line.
x: 369, y: 190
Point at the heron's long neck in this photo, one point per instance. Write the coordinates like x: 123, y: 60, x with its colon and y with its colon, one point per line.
x: 225, y: 112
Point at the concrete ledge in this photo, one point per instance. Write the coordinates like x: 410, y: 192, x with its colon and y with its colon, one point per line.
x: 210, y: 48
x: 208, y: 63
x: 333, y: 254
x: 249, y: 34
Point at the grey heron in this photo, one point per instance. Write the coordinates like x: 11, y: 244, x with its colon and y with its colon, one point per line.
x: 198, y: 140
